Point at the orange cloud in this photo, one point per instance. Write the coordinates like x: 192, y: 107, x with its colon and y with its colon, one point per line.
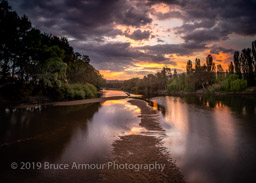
x: 126, y: 74
x: 111, y: 75
x: 225, y: 59
x: 221, y: 58
x: 149, y: 65
x: 139, y: 69
x: 161, y: 8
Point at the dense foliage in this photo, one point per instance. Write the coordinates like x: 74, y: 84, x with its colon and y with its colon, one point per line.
x: 240, y: 74
x: 150, y: 83
x: 207, y: 77
x: 37, y: 62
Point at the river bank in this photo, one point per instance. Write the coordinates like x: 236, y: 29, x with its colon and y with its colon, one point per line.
x: 249, y: 91
x: 36, y: 102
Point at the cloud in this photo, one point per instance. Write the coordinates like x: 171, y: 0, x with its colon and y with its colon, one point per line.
x: 204, y: 20
x: 216, y: 50
x: 138, y: 35
x: 117, y: 56
x: 207, y: 21
x: 83, y: 19
x: 92, y: 27
x: 179, y: 49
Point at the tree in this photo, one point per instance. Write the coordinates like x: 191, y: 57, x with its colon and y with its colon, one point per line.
x: 220, y: 71
x: 209, y: 63
x: 53, y: 71
x: 197, y: 65
x: 163, y: 77
x: 33, y: 59
x: 189, y: 67
x: 8, y: 39
x: 231, y: 68
x: 175, y: 75
x: 254, y: 54
x: 237, y: 64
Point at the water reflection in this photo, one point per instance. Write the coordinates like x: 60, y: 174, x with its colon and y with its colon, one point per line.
x: 112, y: 93
x: 213, y: 139
x: 82, y: 133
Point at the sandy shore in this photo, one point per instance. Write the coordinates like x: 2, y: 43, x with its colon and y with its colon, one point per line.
x: 73, y: 102
x: 142, y: 149
x: 87, y: 101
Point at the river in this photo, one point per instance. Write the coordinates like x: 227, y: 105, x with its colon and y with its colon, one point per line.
x: 211, y: 139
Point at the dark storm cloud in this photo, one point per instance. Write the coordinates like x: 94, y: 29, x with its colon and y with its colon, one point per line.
x: 117, y: 56
x: 83, y: 18
x: 91, y: 21
x: 216, y: 50
x: 171, y: 2
x: 138, y: 35
x: 134, y: 17
x: 172, y: 14
x: 179, y: 49
x: 186, y: 28
x: 207, y: 20
x: 206, y: 35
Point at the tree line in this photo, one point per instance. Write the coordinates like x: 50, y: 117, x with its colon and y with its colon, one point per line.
x: 150, y: 83
x: 212, y: 78
x: 35, y: 62
x: 209, y: 77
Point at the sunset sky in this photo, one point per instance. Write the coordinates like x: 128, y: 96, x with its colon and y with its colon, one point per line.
x: 132, y: 38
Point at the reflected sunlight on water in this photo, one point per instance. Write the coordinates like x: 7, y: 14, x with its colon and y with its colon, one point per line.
x: 82, y: 133
x: 211, y: 140
x: 112, y: 93
x: 155, y: 105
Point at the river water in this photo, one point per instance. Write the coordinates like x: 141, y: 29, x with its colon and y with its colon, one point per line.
x: 212, y: 139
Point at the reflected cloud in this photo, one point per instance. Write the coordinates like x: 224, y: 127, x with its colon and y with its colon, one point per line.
x: 211, y: 136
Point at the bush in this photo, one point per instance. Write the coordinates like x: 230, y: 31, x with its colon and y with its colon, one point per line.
x: 78, y: 91
x: 90, y: 90
x: 172, y: 86
x: 214, y: 88
x: 227, y: 82
x: 134, y: 89
x: 238, y: 85
x: 233, y: 84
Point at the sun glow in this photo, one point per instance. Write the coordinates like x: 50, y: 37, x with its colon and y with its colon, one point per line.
x: 161, y: 8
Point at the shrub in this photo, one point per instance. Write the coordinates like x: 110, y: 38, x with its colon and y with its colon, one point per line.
x: 91, y: 90
x: 238, y: 85
x: 214, y: 88
x: 78, y: 91
x: 233, y: 84
x: 172, y: 86
x: 134, y: 89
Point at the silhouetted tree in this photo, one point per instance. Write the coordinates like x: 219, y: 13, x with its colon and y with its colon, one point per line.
x: 28, y: 56
x: 209, y: 63
x: 197, y: 65
x: 237, y: 64
x: 231, y: 68
x: 247, y: 65
x: 189, y: 67
x: 220, y: 71
x: 175, y: 75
